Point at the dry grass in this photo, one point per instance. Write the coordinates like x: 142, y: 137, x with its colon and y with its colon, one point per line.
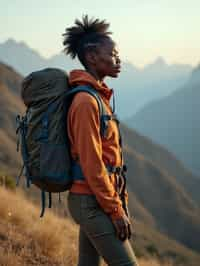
x: 27, y: 240
x: 51, y: 237
x: 153, y: 262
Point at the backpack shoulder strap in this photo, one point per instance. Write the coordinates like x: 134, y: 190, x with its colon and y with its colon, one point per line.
x: 104, y: 117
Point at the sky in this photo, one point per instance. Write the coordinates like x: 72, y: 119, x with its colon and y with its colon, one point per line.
x: 143, y: 29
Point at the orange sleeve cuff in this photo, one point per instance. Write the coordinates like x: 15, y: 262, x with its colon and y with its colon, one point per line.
x: 117, y: 213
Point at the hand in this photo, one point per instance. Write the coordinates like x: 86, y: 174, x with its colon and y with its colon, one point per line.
x: 123, y: 227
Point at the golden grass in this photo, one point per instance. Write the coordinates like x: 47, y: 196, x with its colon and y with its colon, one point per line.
x: 54, y: 237
x: 153, y: 262
x: 26, y: 239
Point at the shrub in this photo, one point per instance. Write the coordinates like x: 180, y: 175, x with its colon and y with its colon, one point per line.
x: 152, y: 249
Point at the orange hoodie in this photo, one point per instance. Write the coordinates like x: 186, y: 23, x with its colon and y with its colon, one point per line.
x: 91, y: 150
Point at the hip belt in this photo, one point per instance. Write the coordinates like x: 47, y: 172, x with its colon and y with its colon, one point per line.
x: 77, y: 173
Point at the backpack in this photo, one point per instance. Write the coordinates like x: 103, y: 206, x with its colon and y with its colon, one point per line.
x: 42, y: 131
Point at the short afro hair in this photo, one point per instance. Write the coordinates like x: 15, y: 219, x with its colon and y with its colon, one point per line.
x: 85, y: 35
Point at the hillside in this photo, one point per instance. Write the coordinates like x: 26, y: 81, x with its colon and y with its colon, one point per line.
x: 174, y: 122
x: 161, y: 157
x: 174, y: 213
x: 10, y: 106
x: 157, y: 198
x: 164, y: 186
x: 25, y: 239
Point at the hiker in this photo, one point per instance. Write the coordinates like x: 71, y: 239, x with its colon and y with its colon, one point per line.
x: 94, y: 201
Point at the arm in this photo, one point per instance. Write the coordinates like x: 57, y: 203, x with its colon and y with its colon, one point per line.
x: 86, y: 132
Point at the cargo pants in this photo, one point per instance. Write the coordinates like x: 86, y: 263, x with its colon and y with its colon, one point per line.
x: 97, y: 235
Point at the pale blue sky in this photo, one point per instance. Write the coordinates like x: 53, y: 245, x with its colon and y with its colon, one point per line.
x: 143, y: 29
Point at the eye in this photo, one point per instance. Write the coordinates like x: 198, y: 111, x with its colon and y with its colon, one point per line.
x: 115, y: 55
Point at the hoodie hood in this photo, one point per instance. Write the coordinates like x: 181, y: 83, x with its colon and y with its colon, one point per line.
x: 82, y: 77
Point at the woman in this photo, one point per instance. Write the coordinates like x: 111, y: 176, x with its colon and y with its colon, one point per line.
x: 94, y: 202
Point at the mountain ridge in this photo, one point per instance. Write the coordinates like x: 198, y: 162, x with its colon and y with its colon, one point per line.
x: 134, y: 87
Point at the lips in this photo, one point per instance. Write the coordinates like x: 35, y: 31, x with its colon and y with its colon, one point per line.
x: 118, y: 69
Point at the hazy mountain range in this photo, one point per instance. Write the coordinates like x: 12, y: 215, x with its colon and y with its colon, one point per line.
x: 134, y: 88
x: 163, y: 195
x: 174, y: 122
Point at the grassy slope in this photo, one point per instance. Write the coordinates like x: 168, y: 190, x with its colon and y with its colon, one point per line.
x: 25, y: 239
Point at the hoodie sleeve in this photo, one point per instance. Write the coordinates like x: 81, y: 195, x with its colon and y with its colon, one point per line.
x: 85, y: 123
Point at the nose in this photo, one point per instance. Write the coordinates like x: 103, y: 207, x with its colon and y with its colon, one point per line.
x: 118, y: 61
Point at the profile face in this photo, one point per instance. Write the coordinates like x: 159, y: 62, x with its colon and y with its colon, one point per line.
x: 107, y: 59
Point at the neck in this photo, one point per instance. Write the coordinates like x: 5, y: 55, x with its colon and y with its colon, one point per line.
x: 98, y: 77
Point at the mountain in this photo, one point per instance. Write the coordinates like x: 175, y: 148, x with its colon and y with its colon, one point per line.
x: 174, y: 122
x: 160, y: 156
x: 137, y: 87
x: 157, y: 197
x: 25, y: 60
x: 175, y: 213
x: 134, y: 88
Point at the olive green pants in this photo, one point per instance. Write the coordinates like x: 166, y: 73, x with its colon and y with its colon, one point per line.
x: 97, y: 236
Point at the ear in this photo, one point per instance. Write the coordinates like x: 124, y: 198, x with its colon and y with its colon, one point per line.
x: 91, y: 57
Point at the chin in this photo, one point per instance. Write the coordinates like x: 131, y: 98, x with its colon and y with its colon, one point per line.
x: 114, y: 75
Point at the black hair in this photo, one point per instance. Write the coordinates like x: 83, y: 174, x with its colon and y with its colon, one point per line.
x: 85, y: 36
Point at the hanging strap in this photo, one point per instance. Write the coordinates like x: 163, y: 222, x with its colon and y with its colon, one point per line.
x: 20, y: 174
x: 118, y: 171
x: 50, y: 199
x: 21, y: 132
x: 122, y: 172
x: 59, y: 198
x: 43, y: 201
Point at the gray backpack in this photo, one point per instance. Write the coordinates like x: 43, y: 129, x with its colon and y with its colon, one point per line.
x: 43, y: 134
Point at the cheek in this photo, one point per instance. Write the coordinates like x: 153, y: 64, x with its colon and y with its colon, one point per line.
x: 107, y: 64
x: 107, y: 60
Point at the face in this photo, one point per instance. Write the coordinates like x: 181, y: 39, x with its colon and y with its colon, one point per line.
x: 106, y: 61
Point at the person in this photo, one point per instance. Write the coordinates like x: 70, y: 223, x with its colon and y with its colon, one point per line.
x: 94, y: 202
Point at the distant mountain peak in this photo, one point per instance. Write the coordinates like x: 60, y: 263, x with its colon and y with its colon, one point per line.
x: 24, y: 45
x: 160, y: 61
x: 156, y: 65
x: 10, y: 42
x: 197, y: 69
x: 195, y: 77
